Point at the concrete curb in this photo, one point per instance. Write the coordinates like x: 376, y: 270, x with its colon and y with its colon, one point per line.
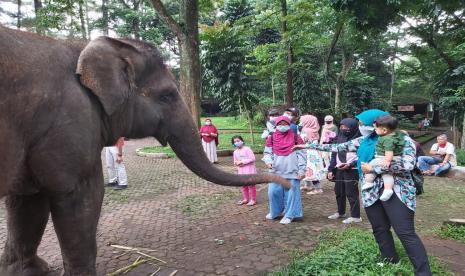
x: 156, y: 155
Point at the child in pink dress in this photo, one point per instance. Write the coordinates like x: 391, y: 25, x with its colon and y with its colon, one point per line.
x: 244, y: 159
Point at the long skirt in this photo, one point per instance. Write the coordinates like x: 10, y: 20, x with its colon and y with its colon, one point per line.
x: 210, y: 151
x: 285, y: 201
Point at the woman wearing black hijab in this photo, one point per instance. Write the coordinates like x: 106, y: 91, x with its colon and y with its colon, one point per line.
x: 343, y: 169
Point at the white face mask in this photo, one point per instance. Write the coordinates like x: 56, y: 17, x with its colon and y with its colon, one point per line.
x: 283, y: 128
x: 366, y: 130
x: 208, y: 123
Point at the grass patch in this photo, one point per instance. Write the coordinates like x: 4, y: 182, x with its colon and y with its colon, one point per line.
x: 351, y: 252
x: 461, y: 157
x: 166, y: 150
x: 196, y: 205
x: 452, y: 231
x: 424, y: 138
x: 116, y: 196
x: 229, y: 122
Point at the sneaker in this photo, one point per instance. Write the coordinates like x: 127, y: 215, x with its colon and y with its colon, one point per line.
x: 251, y: 203
x: 285, y: 220
x: 352, y: 220
x: 268, y: 216
x: 120, y: 187
x: 336, y: 216
x: 112, y: 184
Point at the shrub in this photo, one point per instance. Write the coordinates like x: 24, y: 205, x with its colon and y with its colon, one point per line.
x: 460, y: 157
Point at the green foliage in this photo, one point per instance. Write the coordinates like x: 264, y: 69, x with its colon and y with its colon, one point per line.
x: 451, y: 231
x: 460, y: 157
x: 351, y: 252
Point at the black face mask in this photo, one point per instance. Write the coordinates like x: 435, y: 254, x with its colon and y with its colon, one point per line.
x: 346, y: 132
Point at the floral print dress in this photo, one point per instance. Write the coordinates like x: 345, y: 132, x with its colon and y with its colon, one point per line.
x: 404, y: 186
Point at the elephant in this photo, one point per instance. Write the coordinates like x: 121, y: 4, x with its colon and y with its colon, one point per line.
x: 61, y: 102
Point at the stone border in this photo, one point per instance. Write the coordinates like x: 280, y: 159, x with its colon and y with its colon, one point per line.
x: 456, y: 172
x: 156, y: 155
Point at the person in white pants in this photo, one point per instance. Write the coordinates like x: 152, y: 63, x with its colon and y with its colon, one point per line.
x: 116, y: 170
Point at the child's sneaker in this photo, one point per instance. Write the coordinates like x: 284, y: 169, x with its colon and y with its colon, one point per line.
x: 367, y: 185
x: 251, y: 203
x: 268, y: 216
x: 386, y: 195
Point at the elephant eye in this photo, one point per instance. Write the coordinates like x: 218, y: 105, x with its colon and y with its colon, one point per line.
x: 166, y: 97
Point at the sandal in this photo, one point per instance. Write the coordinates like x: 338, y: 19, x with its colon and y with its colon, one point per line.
x: 242, y: 202
x: 251, y: 203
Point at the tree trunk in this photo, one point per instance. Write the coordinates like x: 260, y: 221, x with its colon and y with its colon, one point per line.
x: 393, y: 67
x: 290, y: 55
x: 337, y: 99
x: 187, y: 32
x: 136, y: 22
x: 86, y: 3
x: 272, y: 90
x: 37, y: 7
x: 82, y: 20
x: 18, y: 21
x: 105, y: 17
x: 250, y: 119
x: 462, y: 146
x: 189, y: 80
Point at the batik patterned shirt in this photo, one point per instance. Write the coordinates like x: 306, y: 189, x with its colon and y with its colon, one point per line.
x: 404, y: 186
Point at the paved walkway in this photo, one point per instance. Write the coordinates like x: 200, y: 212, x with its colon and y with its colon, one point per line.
x: 191, y: 224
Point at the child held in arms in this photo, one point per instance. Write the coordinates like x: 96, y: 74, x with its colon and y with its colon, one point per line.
x: 244, y: 159
x: 388, y: 148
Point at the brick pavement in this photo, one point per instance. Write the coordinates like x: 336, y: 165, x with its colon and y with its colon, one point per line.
x: 150, y: 214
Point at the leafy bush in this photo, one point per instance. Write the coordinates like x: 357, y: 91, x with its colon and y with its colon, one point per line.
x: 351, y: 252
x: 455, y: 232
x: 461, y: 157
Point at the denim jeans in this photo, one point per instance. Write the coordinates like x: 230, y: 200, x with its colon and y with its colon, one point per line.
x: 425, y: 162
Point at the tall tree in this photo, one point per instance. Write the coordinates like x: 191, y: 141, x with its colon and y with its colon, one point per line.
x: 105, y: 18
x: 187, y: 33
x: 290, y: 55
x: 18, y: 15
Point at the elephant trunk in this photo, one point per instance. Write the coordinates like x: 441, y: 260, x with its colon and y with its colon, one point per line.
x: 188, y: 148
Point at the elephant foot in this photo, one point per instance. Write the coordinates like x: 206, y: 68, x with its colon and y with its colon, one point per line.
x: 30, y: 267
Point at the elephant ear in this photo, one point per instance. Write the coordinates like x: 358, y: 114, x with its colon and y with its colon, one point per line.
x: 106, y: 67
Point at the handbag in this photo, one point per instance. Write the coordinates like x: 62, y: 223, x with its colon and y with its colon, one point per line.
x: 418, y: 180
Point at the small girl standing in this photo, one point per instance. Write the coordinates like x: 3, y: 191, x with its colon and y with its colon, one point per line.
x: 244, y: 159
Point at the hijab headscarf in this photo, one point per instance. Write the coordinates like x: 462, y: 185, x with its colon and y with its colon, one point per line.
x: 344, y: 136
x: 366, y: 151
x: 282, y: 142
x: 311, y: 127
x: 209, y: 129
x: 329, y: 118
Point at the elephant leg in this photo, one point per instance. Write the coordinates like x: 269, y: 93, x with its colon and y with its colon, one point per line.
x: 75, y: 217
x: 27, y: 218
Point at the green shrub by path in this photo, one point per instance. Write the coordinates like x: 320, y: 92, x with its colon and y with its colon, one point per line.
x: 351, y: 252
x: 461, y: 157
x: 454, y: 232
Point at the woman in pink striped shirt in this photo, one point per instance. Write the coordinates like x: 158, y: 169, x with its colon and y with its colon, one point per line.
x: 244, y: 159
